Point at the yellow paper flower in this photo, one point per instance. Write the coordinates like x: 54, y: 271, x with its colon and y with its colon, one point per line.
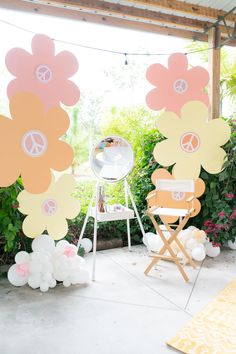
x: 191, y: 141
x: 49, y: 210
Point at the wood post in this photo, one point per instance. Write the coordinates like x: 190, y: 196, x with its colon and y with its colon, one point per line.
x: 214, y: 71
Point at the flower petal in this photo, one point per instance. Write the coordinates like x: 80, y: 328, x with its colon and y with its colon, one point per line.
x: 156, y: 74
x: 164, y: 154
x: 57, y: 122
x: 161, y: 173
x: 213, y: 160
x: 198, y: 77
x: 18, y: 61
x: 156, y: 100
x: 36, y: 179
x: 70, y: 93
x: 66, y: 63
x: 57, y: 227
x: 197, y: 207
x: 220, y: 132
x: 194, y: 115
x: 29, y: 203
x: 61, y: 156
x: 70, y: 208
x: 167, y: 120
x: 178, y: 62
x: 199, y: 187
x: 66, y: 184
x: 26, y: 109
x: 186, y: 169
x: 34, y: 225
x: 42, y: 47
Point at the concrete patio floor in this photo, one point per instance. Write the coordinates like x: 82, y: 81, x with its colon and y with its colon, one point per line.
x: 122, y: 312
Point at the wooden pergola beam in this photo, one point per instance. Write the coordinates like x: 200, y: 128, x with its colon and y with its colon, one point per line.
x: 185, y: 8
x: 214, y: 71
x: 128, y: 12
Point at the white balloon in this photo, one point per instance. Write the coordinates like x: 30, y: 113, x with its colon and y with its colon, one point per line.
x: 22, y: 257
x: 43, y: 242
x: 44, y: 286
x: 212, y: 251
x: 34, y: 281
x: 232, y: 245
x: 35, y: 267
x: 185, y: 235
x: 87, y: 244
x: 14, y: 278
x: 191, y: 228
x: 191, y: 244
x: 52, y: 283
x: 154, y: 242
x: 62, y: 244
x: 198, y: 254
x: 66, y: 283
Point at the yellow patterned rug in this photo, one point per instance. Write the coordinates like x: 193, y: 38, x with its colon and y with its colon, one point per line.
x: 212, y: 330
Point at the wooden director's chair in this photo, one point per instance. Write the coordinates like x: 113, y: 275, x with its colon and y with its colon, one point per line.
x: 156, y: 207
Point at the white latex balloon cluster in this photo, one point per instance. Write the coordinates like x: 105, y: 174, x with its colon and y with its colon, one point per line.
x: 194, y: 240
x: 47, y: 264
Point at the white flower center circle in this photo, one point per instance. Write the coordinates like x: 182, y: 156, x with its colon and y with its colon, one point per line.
x: 180, y: 86
x: 34, y: 143
x: 190, y: 142
x: 44, y: 74
x: 49, y: 207
x: 178, y: 195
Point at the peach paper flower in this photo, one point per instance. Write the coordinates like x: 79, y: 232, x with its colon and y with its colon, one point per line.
x: 175, y: 199
x: 176, y: 85
x: 30, y: 145
x: 49, y: 210
x: 43, y: 73
x: 191, y: 141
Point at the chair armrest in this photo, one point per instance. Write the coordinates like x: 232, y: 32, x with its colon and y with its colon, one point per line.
x: 190, y: 199
x: 153, y: 194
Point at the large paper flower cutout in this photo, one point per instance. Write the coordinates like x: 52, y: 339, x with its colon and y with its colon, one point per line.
x: 30, y: 145
x: 43, y: 73
x: 191, y: 141
x: 176, y: 85
x: 49, y: 210
x: 175, y: 199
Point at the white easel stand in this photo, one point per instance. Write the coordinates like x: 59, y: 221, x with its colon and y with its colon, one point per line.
x: 99, y: 217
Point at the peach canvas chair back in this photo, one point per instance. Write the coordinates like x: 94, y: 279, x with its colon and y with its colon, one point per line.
x: 178, y: 186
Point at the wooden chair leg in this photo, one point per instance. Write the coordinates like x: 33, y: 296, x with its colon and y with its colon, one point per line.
x: 153, y: 262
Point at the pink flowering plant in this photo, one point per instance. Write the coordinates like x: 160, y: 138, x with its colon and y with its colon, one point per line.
x: 218, y: 215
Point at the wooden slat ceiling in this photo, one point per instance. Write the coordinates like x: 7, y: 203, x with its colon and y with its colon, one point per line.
x: 169, y: 17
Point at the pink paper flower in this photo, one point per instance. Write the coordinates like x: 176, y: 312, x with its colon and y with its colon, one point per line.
x: 221, y: 214
x: 43, y: 73
x: 176, y: 85
x: 229, y: 195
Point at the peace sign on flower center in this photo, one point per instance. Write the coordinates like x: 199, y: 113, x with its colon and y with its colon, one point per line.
x: 44, y: 74
x: 34, y: 143
x: 49, y: 207
x: 177, y: 196
x: 180, y: 86
x: 190, y: 142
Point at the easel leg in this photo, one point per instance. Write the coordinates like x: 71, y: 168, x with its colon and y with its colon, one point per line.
x: 86, y: 218
x: 95, y: 232
x: 128, y: 221
x: 135, y: 209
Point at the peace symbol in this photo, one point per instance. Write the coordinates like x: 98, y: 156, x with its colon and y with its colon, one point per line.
x: 177, y: 195
x: 34, y: 143
x: 43, y: 74
x: 180, y: 86
x: 190, y: 142
x: 49, y: 207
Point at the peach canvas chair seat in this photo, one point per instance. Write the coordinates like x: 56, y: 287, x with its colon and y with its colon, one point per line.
x: 182, y: 215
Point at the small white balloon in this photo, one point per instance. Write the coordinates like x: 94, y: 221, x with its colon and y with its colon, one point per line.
x: 191, y: 244
x: 191, y: 228
x: 154, y: 242
x: 52, y: 283
x: 62, y: 244
x: 22, y: 257
x: 14, y: 278
x: 87, y: 244
x: 198, y: 254
x: 232, y: 245
x: 212, y: 251
x: 34, y: 281
x: 43, y: 242
x: 44, y: 286
x: 66, y: 283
